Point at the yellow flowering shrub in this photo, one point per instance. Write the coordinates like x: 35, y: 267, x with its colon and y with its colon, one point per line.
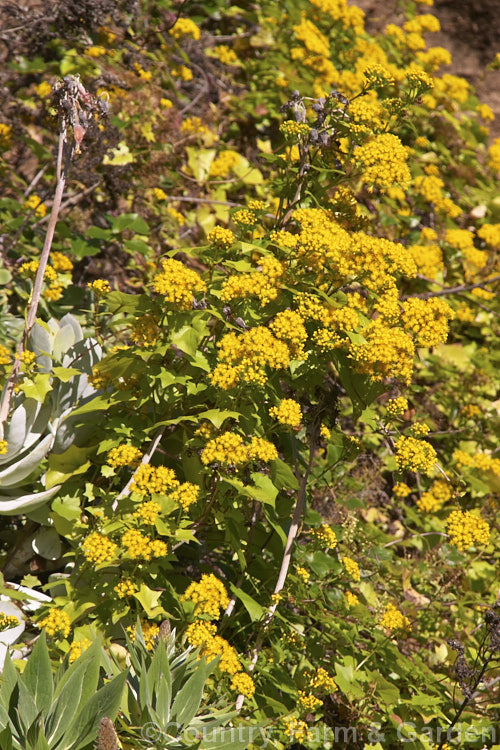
x: 209, y: 596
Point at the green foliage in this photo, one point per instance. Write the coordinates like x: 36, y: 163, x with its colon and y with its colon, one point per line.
x: 42, y: 710
x: 268, y: 411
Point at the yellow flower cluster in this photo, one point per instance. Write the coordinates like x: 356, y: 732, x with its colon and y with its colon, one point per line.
x: 146, y: 331
x: 290, y: 128
x: 352, y: 599
x: 124, y: 455
x: 297, y: 729
x: 303, y: 573
x: 388, y: 353
x: 99, y: 286
x: 383, y: 160
x: 245, y: 217
x: 125, y: 588
x: 153, y: 479
x: 98, y: 548
x: 221, y: 238
x: 5, y: 135
x: 352, y: 568
x: 243, y: 684
x: 225, y: 54
x: 202, y: 634
x: 224, y: 163
x: 4, y: 355
x: 194, y: 125
x: 148, y: 512
x: 393, y: 619
x: 35, y: 203
x: 31, y: 267
x: 191, y: 124
x: 288, y: 412
x: 428, y: 260
x: 57, y: 624
x: 323, y: 681
x: 261, y: 284
x: 185, y: 27
x: 467, y: 529
x: 415, y: 455
x: 27, y: 360
x: 209, y: 595
x: 470, y: 410
x: 95, y: 51
x: 176, y: 216
x: 185, y: 494
x: 427, y: 319
x: 159, y: 194
x: 166, y: 104
x: 308, y: 701
x: 494, y: 154
x: 61, y: 263
x: 77, y: 648
x: 245, y: 356
x: 142, y: 547
x: 229, y: 449
x: 430, y: 188
x: 490, y: 233
x: 401, y: 490
x: 178, y: 284
x: 419, y: 429
x: 7, y: 622
x: 324, y: 432
x: 433, y: 500
x: 397, y: 406
x: 150, y: 631
x: 288, y: 326
x: 325, y: 535
x: 146, y: 75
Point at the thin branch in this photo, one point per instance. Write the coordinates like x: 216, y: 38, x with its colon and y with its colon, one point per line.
x: 452, y: 290
x: 285, y: 563
x: 64, y: 150
x: 145, y: 460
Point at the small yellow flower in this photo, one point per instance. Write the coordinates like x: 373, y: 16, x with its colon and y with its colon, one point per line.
x: 98, y: 548
x: 243, y: 683
x: 393, y: 619
x: 125, y: 588
x: 124, y: 455
x: 77, y: 648
x: 99, y: 286
x: 209, y: 595
x: 57, y: 624
x: 4, y: 447
x: 303, y: 573
x: 352, y: 568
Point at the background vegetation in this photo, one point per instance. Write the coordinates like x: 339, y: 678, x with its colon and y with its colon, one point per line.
x: 248, y: 299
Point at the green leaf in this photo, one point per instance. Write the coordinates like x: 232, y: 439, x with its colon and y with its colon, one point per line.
x: 38, y: 387
x: 105, y: 702
x: 76, y: 685
x: 10, y: 677
x: 188, y: 699
x: 26, y: 706
x: 65, y: 373
x: 282, y: 475
x: 62, y: 466
x: 6, y: 738
x: 37, y: 675
x: 149, y: 600
x: 361, y: 389
x: 254, y: 609
x: 133, y: 222
x: 264, y: 489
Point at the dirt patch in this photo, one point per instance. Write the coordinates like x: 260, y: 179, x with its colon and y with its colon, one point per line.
x: 469, y: 31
